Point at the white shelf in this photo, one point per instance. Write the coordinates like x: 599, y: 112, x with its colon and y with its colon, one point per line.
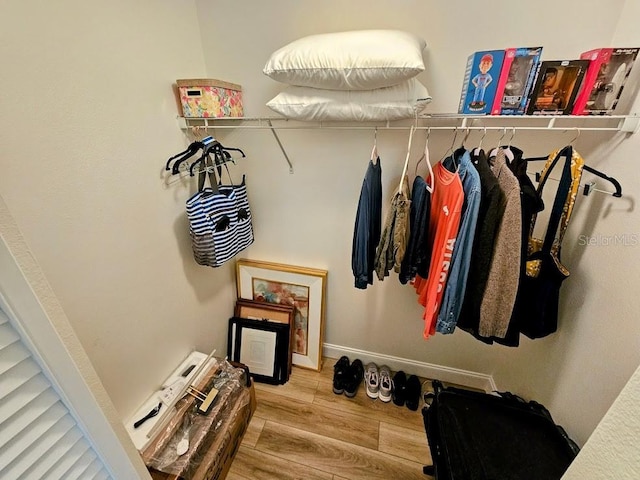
x: 627, y: 124
x: 438, y: 121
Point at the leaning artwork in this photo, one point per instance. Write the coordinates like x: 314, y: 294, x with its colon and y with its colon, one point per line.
x: 287, y: 294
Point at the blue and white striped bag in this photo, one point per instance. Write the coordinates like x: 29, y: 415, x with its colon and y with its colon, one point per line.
x: 219, y: 220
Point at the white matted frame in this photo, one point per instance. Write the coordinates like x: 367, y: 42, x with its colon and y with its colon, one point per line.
x: 302, y: 287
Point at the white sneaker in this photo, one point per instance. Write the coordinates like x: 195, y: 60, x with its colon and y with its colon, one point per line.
x: 386, y: 384
x: 371, y: 380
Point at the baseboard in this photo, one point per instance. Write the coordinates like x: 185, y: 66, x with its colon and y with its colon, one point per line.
x: 465, y: 378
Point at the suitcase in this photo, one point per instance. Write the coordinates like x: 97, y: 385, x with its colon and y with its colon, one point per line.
x: 480, y: 436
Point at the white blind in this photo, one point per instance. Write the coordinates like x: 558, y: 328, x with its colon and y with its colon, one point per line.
x: 39, y: 439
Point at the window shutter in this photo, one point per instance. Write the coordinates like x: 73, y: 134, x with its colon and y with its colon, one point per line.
x: 39, y: 438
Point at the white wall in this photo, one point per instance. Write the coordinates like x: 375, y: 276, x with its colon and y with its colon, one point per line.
x: 612, y: 449
x: 577, y: 372
x: 26, y: 297
x: 88, y: 122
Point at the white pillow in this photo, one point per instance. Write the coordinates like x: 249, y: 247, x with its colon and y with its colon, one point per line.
x: 358, y: 60
x: 390, y: 103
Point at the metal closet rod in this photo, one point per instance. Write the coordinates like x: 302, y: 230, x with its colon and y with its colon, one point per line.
x: 625, y: 123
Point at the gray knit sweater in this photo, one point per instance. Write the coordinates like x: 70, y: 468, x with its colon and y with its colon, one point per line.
x: 502, y: 284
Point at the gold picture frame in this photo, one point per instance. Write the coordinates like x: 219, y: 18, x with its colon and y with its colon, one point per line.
x: 302, y: 287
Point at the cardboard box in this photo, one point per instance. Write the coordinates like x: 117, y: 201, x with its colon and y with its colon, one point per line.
x: 214, y: 462
x: 604, y: 82
x: 556, y: 87
x: 516, y: 80
x: 217, y: 461
x: 205, y: 98
x: 480, y: 82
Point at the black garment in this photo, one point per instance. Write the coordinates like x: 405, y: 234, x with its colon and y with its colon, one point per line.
x: 417, y: 257
x: 368, y: 226
x: 541, y: 293
x: 492, y: 205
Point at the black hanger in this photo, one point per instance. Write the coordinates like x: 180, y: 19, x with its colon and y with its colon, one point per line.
x: 212, y: 149
x: 233, y: 150
x: 207, y: 145
x: 188, y: 153
x: 587, y: 188
x: 206, y: 149
x: 221, y: 156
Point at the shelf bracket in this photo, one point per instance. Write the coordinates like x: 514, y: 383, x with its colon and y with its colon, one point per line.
x: 182, y: 124
x: 630, y: 124
x: 286, y: 157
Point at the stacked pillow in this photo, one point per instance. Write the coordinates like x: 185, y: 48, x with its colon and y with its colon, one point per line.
x: 357, y: 76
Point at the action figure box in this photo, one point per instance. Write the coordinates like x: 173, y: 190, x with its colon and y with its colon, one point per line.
x: 516, y: 79
x: 480, y: 82
x: 605, y: 80
x: 557, y: 84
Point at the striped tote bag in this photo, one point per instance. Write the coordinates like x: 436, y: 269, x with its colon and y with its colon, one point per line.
x: 244, y: 232
x: 219, y: 220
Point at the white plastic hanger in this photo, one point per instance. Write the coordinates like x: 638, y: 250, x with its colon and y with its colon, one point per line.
x: 507, y: 151
x: 476, y: 151
x: 494, y: 152
x: 466, y: 137
x: 450, y: 150
x: 576, y: 137
x: 425, y: 157
x: 430, y: 178
x: 374, y: 152
x: 406, y: 160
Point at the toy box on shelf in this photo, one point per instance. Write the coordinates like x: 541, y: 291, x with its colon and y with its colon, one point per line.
x: 605, y: 80
x: 480, y: 82
x: 206, y: 97
x: 516, y: 79
x: 556, y: 87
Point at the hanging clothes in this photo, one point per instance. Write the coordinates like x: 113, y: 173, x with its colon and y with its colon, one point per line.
x: 492, y: 205
x: 366, y: 232
x: 531, y: 203
x: 444, y: 222
x: 396, y: 231
x: 502, y: 284
x: 417, y: 257
x: 459, y: 269
x: 395, y: 234
x: 544, y: 270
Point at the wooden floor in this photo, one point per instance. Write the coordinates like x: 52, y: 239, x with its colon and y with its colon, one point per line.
x: 302, y: 430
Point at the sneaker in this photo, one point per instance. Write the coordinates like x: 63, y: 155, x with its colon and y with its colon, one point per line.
x: 386, y: 385
x: 372, y: 380
x: 353, y: 379
x: 399, y: 388
x: 413, y: 391
x: 340, y: 370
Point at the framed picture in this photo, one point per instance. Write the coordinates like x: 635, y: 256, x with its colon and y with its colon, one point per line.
x: 274, y: 312
x: 262, y: 346
x: 301, y: 287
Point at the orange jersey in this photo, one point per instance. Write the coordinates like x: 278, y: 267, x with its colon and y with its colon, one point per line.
x: 446, y: 209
